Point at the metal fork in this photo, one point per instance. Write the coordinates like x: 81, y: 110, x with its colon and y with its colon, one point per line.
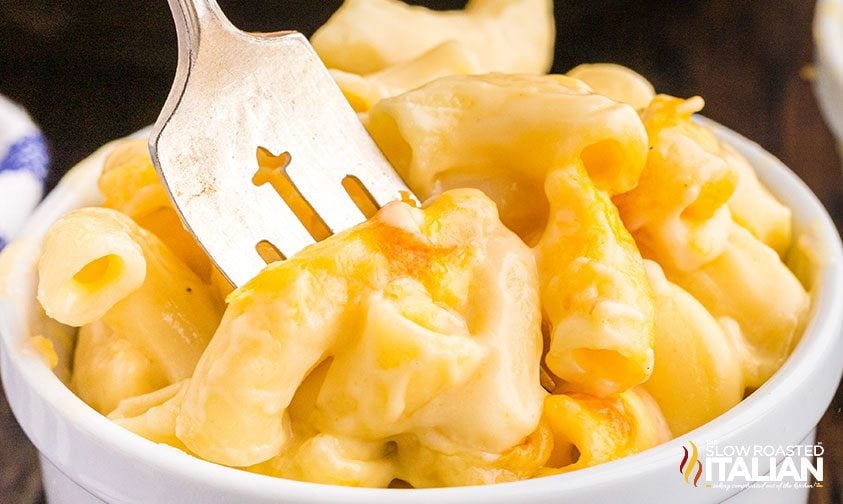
x: 249, y: 108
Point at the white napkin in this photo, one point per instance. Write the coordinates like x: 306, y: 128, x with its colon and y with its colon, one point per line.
x: 23, y: 168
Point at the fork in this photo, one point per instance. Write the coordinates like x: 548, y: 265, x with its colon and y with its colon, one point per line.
x: 251, y: 117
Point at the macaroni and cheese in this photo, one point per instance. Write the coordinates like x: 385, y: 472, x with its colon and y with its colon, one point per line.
x: 591, y: 274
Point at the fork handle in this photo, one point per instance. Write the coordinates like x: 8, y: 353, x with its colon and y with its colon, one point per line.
x: 193, y: 18
x: 196, y: 21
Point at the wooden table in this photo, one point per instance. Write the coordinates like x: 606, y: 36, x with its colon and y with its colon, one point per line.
x: 92, y: 71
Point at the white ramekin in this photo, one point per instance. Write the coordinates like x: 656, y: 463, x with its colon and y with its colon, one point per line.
x: 828, y: 59
x: 87, y: 458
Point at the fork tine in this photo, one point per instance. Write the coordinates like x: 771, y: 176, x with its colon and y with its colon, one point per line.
x: 381, y: 181
x: 327, y: 197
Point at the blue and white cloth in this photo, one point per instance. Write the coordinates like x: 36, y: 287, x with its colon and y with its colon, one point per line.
x: 24, y: 162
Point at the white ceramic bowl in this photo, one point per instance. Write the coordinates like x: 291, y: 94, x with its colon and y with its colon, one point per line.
x: 87, y: 458
x: 828, y: 85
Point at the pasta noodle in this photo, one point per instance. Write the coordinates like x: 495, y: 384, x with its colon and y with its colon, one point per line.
x: 422, y: 467
x: 753, y: 207
x: 502, y: 35
x: 678, y: 211
x: 453, y: 133
x: 749, y: 284
x: 109, y: 368
x: 448, y: 58
x: 699, y: 372
x: 325, y: 458
x: 594, y: 292
x: 616, y: 82
x: 589, y: 430
x: 153, y: 415
x: 79, y: 284
x: 97, y: 264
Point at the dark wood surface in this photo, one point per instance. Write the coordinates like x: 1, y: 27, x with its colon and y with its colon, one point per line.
x: 90, y: 71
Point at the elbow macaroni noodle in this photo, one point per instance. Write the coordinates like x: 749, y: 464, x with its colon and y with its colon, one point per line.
x: 586, y: 256
x: 514, y: 36
x: 99, y: 265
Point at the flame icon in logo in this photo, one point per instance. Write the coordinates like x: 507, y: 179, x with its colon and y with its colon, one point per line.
x: 690, y: 462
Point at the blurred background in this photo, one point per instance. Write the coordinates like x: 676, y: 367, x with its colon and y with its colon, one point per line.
x: 90, y: 71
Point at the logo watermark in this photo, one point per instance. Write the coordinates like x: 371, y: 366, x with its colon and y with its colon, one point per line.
x: 752, y: 466
x: 691, y: 465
